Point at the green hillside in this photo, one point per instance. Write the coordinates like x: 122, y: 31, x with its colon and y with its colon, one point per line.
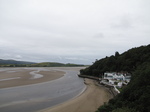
x: 127, y: 61
x: 135, y: 97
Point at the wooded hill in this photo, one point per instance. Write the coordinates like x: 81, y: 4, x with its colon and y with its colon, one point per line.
x: 127, y: 61
x: 135, y: 97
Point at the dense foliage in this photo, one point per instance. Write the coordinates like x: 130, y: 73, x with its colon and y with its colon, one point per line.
x: 127, y: 61
x: 135, y: 97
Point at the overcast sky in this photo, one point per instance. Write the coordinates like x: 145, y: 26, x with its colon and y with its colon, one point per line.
x: 71, y: 31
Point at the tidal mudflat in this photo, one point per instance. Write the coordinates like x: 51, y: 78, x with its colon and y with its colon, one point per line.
x: 10, y: 77
x: 31, y: 92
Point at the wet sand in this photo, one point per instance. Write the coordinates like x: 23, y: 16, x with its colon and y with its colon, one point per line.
x: 23, y: 77
x: 93, y: 97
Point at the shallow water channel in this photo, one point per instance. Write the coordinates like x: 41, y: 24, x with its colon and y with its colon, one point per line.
x: 35, y: 97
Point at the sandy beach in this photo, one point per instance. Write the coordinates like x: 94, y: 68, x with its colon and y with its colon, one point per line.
x: 19, y: 77
x: 88, y: 101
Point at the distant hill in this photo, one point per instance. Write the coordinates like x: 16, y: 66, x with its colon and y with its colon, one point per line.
x: 135, y: 97
x: 14, y: 63
x: 54, y: 64
x: 4, y: 62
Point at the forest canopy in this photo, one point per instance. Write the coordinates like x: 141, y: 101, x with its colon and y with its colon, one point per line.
x: 127, y: 61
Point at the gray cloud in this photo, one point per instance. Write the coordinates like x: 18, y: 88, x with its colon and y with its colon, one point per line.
x: 99, y: 35
x: 123, y: 23
x: 65, y: 31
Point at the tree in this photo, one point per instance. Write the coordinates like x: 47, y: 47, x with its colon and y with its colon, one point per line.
x: 117, y: 54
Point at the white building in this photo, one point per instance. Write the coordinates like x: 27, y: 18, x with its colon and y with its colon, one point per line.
x: 114, y: 75
x: 115, y: 79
